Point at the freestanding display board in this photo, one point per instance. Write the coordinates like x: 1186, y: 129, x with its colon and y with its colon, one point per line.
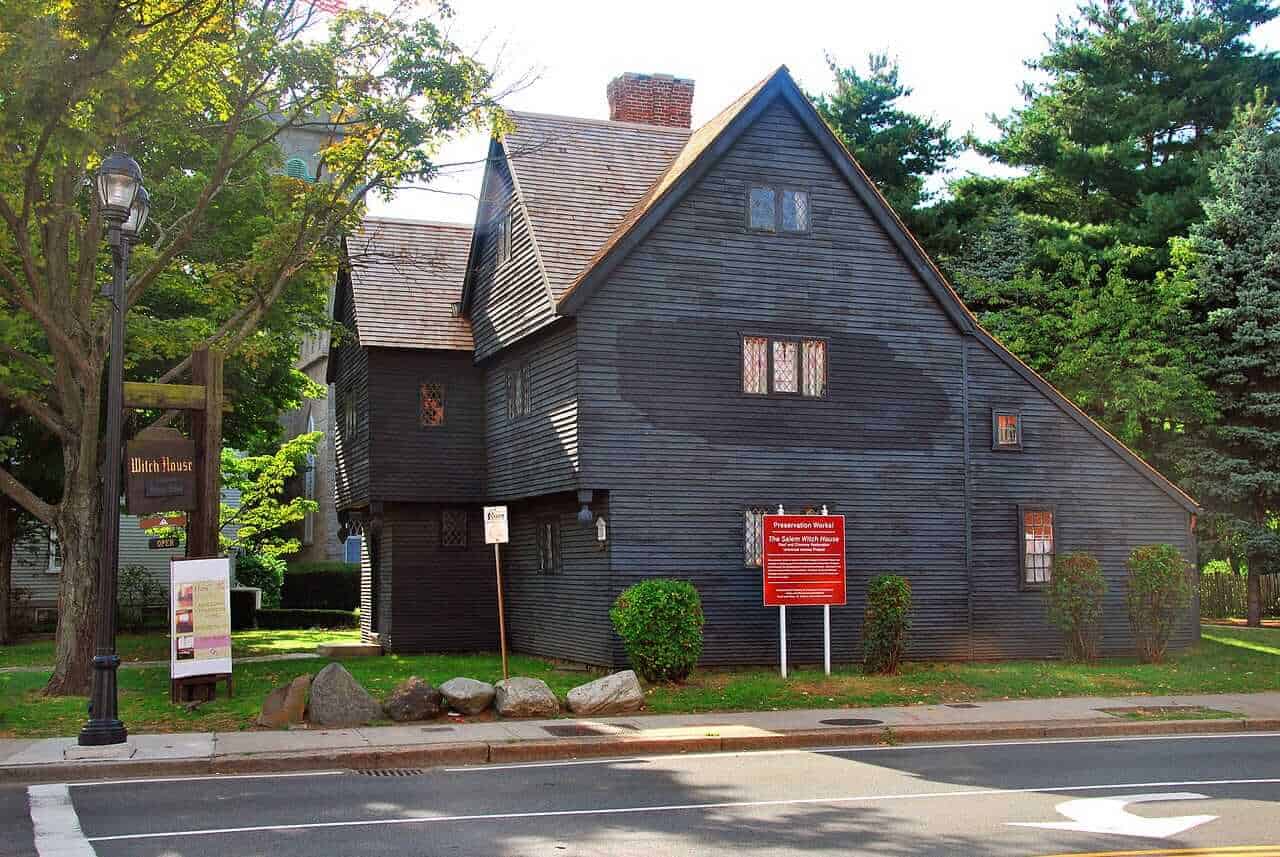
x: 804, y: 565
x: 200, y: 619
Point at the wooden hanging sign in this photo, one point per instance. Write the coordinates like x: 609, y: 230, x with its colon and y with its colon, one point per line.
x: 160, y: 472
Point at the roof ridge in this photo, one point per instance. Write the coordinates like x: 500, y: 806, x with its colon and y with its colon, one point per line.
x: 672, y: 129
x: 410, y: 221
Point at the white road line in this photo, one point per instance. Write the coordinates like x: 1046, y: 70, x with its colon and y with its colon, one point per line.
x: 683, y: 807
x: 208, y: 778
x: 879, y: 748
x: 55, y: 824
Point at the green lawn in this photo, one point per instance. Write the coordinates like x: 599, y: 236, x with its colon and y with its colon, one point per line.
x: 1226, y: 660
x: 155, y: 646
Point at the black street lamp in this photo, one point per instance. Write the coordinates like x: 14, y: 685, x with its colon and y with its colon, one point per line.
x: 124, y: 202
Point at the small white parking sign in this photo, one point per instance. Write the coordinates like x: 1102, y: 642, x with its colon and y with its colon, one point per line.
x: 495, y: 525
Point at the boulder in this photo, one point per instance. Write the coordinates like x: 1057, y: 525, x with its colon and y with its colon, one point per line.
x: 413, y: 699
x: 525, y: 697
x: 467, y: 695
x: 619, y: 693
x: 286, y: 704
x: 338, y: 700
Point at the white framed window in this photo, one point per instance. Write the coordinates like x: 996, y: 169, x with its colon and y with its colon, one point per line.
x: 54, y: 564
x: 1006, y: 430
x: 1036, y: 545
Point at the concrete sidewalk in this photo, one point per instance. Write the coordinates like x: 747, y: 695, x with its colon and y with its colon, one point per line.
x: 453, y: 741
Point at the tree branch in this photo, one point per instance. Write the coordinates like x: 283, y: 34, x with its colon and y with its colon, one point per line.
x: 37, y: 409
x: 21, y: 495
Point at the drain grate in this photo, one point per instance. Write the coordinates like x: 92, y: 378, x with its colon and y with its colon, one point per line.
x: 586, y: 730
x: 960, y: 705
x: 390, y: 772
x: 437, y: 728
x: 851, y: 721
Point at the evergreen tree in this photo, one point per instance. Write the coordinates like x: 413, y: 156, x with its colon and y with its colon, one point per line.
x: 1236, y: 266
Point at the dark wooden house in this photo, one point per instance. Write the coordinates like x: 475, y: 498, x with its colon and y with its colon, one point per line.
x: 673, y: 332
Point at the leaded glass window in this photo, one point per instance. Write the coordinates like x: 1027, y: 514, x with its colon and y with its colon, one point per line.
x: 548, y: 546
x: 432, y: 405
x: 763, y: 209
x: 1037, y: 545
x: 755, y: 365
x: 753, y: 537
x: 453, y: 529
x: 502, y: 228
x: 814, y: 356
x: 786, y: 366
x: 519, y: 394
x: 795, y: 211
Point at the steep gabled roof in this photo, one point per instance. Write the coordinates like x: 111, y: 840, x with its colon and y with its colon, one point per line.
x: 705, y: 147
x: 406, y: 277
x: 577, y: 180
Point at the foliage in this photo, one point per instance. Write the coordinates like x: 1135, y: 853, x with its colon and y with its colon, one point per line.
x: 1073, y: 602
x: 275, y: 619
x: 332, y: 566
x: 1158, y: 597
x: 660, y: 623
x: 136, y: 590
x: 887, y: 619
x: 899, y: 150
x: 324, y: 589
x: 242, y: 609
x: 1234, y: 258
x: 260, y: 523
x: 261, y: 572
x: 1224, y: 593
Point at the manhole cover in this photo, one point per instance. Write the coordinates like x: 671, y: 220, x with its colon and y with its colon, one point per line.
x: 961, y: 705
x: 851, y: 721
x: 390, y: 772
x: 584, y: 730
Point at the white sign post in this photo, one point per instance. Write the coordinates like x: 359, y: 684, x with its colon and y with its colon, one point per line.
x: 200, y: 619
x: 496, y: 533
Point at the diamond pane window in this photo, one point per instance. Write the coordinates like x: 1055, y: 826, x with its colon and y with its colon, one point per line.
x: 755, y: 365
x: 453, y: 528
x: 519, y: 396
x: 763, y: 209
x: 753, y: 537
x: 548, y: 546
x: 786, y: 366
x: 1037, y: 546
x: 814, y: 354
x: 795, y: 211
x: 432, y: 405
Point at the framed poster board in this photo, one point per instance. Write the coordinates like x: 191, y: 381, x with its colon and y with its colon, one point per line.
x: 199, y: 617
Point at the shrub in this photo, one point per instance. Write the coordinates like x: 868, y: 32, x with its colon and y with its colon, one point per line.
x: 280, y: 620
x: 660, y: 623
x: 886, y: 622
x: 136, y: 590
x: 265, y: 573
x: 1073, y: 602
x: 321, y: 586
x: 1159, y: 594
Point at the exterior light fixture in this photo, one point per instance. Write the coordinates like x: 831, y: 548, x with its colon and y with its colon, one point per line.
x: 117, y: 182
x: 132, y: 226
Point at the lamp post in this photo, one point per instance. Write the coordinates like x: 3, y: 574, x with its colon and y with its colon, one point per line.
x: 124, y: 203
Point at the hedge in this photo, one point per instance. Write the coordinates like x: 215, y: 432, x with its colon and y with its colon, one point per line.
x: 242, y: 612
x: 280, y: 620
x: 321, y: 586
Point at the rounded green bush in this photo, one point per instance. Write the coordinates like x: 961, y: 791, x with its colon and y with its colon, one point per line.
x: 1073, y: 602
x: 1158, y: 598
x: 885, y: 623
x: 265, y: 573
x: 660, y: 623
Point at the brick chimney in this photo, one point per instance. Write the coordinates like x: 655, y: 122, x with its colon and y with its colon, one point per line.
x: 653, y: 99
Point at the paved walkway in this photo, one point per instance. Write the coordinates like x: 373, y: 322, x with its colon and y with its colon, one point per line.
x: 134, y: 665
x: 329, y: 745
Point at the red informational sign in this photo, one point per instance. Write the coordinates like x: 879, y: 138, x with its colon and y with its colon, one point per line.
x: 803, y: 560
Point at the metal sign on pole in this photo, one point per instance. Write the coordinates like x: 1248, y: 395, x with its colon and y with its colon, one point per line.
x: 804, y: 564
x: 496, y: 533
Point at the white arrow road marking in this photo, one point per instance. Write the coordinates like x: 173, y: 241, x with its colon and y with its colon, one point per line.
x: 1108, y: 815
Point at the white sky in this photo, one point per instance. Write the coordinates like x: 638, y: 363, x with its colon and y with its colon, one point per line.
x: 964, y: 60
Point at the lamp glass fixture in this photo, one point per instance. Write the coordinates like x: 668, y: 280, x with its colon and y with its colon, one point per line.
x: 132, y: 226
x: 117, y: 182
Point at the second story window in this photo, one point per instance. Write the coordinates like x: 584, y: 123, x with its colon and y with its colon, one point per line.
x: 349, y: 418
x: 519, y: 394
x: 431, y: 405
x: 502, y: 231
x: 784, y: 366
x: 771, y: 209
x: 1006, y: 430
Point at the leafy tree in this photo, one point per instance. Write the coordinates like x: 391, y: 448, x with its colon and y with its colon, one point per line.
x: 262, y: 520
x: 898, y: 149
x: 235, y: 255
x: 1235, y: 261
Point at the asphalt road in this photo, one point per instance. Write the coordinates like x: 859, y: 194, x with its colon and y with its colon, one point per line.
x: 1212, y: 794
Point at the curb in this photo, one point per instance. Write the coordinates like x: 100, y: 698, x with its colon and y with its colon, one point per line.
x: 608, y: 746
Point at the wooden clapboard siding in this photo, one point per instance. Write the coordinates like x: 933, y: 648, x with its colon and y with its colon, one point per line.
x: 536, y: 454
x: 415, y: 463
x: 350, y: 368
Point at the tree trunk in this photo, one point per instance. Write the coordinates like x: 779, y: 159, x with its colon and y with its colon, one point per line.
x: 78, y: 526
x: 8, y: 533
x: 1253, y: 587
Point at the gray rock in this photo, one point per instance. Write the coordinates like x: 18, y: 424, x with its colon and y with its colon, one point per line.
x: 413, y: 699
x: 525, y: 697
x: 338, y: 700
x: 286, y: 704
x: 467, y: 695
x: 618, y: 693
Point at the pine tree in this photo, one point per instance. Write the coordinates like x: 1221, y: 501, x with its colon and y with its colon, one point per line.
x: 1237, y: 272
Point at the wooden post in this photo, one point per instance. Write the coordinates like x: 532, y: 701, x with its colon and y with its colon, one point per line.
x: 206, y: 427
x: 502, y: 623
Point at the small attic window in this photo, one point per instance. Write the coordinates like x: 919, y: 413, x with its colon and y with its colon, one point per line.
x: 502, y: 233
x: 296, y: 168
x: 771, y: 209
